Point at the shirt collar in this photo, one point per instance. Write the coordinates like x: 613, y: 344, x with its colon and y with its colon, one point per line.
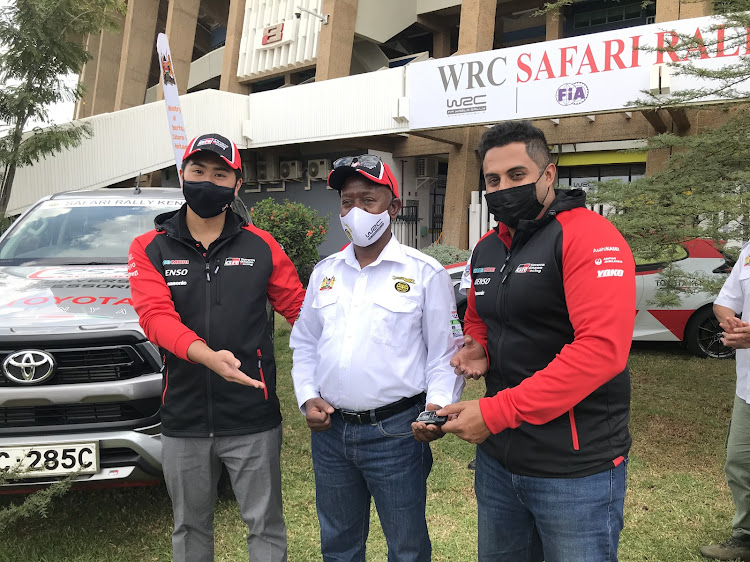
x: 392, y: 252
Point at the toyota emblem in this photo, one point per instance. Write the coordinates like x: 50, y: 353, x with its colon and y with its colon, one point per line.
x: 29, y: 366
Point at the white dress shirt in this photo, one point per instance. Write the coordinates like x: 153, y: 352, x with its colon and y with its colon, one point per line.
x: 368, y: 337
x: 735, y: 294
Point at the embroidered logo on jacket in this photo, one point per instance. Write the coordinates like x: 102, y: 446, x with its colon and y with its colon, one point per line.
x: 175, y: 262
x: 327, y: 283
x: 239, y: 261
x: 530, y: 268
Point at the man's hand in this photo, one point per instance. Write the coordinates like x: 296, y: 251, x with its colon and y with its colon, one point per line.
x: 318, y: 414
x: 466, y: 421
x: 424, y: 432
x: 222, y: 362
x: 736, y: 333
x: 470, y: 361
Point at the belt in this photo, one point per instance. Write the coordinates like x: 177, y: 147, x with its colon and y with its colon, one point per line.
x: 384, y: 412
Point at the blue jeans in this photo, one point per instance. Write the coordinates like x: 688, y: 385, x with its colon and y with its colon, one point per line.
x: 356, y: 462
x: 529, y: 519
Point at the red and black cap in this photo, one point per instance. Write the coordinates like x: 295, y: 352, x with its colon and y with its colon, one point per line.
x: 369, y: 166
x: 218, y: 144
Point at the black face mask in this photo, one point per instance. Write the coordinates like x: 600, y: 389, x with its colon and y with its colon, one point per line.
x: 514, y: 204
x: 207, y: 199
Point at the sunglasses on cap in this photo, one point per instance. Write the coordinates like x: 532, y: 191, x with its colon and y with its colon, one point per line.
x: 370, y: 166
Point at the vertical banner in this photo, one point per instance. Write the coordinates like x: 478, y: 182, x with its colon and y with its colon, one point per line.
x: 172, y: 100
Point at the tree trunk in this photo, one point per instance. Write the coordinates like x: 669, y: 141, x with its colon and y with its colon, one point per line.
x: 10, y: 169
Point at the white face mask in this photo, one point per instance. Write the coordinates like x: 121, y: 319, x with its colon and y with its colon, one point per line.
x: 364, y: 228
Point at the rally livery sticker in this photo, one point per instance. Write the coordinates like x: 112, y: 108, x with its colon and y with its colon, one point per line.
x: 80, y: 273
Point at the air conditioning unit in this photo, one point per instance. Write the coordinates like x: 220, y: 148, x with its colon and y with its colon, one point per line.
x: 267, y: 168
x: 427, y: 167
x: 318, y: 169
x: 290, y: 170
x: 249, y: 172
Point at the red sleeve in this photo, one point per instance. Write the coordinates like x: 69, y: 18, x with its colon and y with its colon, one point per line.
x: 152, y: 300
x: 284, y: 288
x: 599, y: 282
x: 473, y: 325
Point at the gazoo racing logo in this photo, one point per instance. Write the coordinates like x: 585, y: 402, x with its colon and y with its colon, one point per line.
x: 572, y: 94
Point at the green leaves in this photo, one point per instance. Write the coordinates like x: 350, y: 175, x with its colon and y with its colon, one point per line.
x: 298, y: 228
x: 41, y: 42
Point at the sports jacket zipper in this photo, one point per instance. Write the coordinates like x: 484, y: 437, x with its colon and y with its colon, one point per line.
x: 262, y: 378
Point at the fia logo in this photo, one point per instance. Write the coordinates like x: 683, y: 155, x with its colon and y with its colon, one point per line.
x: 572, y: 94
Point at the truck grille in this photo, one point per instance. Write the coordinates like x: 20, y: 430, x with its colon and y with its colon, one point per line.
x: 75, y: 414
x: 92, y: 364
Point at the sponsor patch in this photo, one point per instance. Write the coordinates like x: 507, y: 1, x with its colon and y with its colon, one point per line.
x: 402, y: 287
x: 176, y: 283
x: 175, y: 262
x: 175, y: 272
x: 327, y: 283
x: 478, y: 293
x: 610, y: 273
x: 482, y: 281
x: 483, y: 270
x: 530, y: 268
x: 239, y: 261
x: 607, y: 249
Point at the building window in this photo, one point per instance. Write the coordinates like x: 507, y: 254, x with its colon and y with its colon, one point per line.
x: 604, y: 15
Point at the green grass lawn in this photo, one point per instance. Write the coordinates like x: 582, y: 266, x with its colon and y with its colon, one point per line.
x: 677, y: 497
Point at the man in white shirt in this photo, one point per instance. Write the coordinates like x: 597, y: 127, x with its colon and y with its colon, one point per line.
x: 734, y: 298
x: 372, y: 347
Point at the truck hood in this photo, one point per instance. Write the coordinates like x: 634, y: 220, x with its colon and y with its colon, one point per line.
x: 83, y: 296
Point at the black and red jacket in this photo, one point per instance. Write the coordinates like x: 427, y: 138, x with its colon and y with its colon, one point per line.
x: 554, y: 308
x: 183, y: 293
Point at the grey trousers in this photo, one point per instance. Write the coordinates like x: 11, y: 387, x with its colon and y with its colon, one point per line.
x: 191, y: 470
x: 737, y: 467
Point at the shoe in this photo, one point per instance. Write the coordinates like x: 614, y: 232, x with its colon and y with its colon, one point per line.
x: 731, y: 549
x: 472, y: 465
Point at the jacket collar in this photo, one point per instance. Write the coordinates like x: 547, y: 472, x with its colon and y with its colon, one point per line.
x: 174, y: 223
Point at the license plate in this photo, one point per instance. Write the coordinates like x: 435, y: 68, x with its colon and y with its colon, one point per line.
x: 38, y: 461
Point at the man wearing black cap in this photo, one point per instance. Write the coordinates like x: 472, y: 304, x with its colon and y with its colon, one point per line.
x: 199, y: 283
x: 371, y: 347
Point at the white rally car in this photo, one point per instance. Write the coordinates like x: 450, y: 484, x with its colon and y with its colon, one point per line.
x: 692, y: 323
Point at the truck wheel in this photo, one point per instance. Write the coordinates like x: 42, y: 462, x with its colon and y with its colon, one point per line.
x: 703, y: 335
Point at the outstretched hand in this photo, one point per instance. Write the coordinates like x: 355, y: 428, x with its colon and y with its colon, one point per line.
x: 471, y: 360
x: 427, y: 432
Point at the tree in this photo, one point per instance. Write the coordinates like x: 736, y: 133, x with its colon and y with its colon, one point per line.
x: 41, y: 41
x: 703, y: 190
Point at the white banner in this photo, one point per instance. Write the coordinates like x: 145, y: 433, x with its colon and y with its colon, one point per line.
x: 172, y: 100
x: 579, y: 75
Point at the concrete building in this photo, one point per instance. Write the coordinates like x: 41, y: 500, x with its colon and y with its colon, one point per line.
x: 302, y: 82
